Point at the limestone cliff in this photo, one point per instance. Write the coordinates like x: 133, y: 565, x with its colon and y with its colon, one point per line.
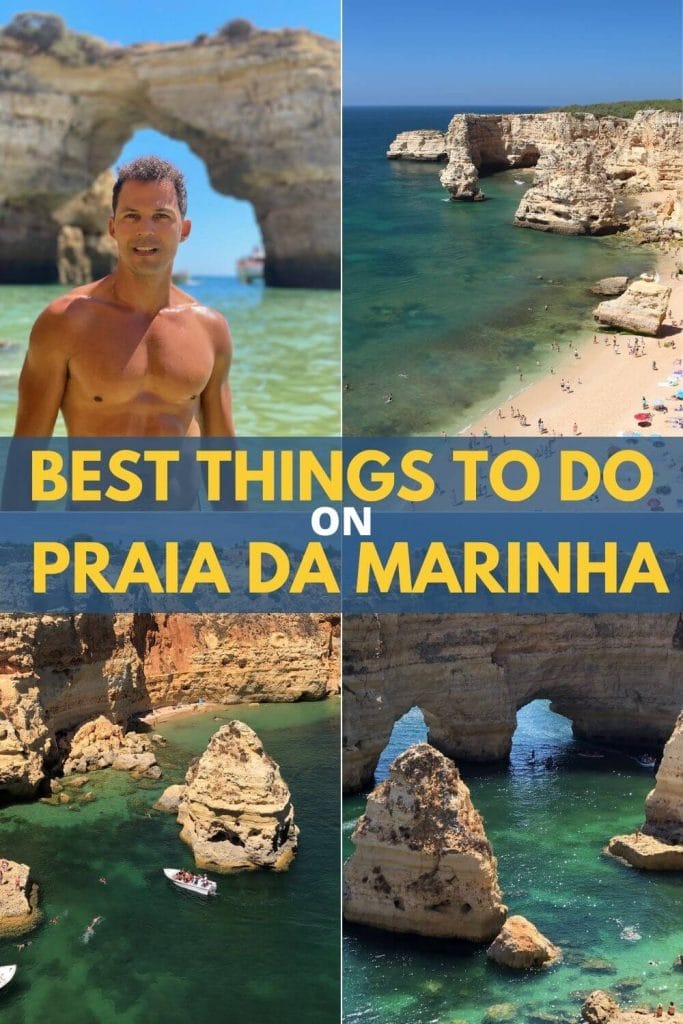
x: 235, y: 808
x: 57, y: 672
x: 260, y: 108
x: 425, y: 145
x: 617, y: 677
x: 658, y: 846
x: 422, y: 862
x: 589, y: 173
x: 521, y: 946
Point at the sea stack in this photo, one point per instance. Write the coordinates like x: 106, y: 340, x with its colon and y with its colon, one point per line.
x: 422, y: 862
x: 236, y: 809
x: 18, y: 899
x: 658, y: 846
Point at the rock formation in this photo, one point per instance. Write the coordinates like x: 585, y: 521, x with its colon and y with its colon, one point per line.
x: 422, y: 861
x: 589, y: 170
x: 426, y: 144
x: 103, y: 744
x: 18, y: 899
x: 84, y: 249
x: 658, y: 846
x: 571, y: 195
x: 601, y: 1008
x: 641, y: 308
x: 57, y: 672
x: 236, y: 809
x: 169, y: 801
x: 469, y: 674
x: 610, y: 286
x: 260, y: 108
x: 520, y: 945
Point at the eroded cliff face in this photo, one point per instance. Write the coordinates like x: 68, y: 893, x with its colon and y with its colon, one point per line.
x: 260, y: 108
x: 619, y: 678
x: 422, y: 862
x: 589, y: 170
x: 57, y: 672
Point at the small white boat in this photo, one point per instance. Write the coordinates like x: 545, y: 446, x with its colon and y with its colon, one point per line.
x: 196, y: 885
x: 645, y: 761
x: 518, y: 182
x: 7, y: 973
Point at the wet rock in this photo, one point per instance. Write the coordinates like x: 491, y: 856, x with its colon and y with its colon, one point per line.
x: 597, y: 965
x: 520, y: 945
x: 501, y: 1013
x: 103, y: 744
x: 610, y: 286
x: 170, y: 799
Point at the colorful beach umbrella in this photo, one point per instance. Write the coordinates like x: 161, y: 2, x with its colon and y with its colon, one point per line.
x: 642, y: 416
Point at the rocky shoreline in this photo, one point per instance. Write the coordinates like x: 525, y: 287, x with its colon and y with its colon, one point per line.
x: 590, y: 173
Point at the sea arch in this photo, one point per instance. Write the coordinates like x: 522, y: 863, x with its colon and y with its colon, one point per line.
x: 261, y: 109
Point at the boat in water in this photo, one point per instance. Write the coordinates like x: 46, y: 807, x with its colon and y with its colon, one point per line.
x: 252, y: 267
x: 646, y: 761
x: 7, y: 973
x: 199, y: 884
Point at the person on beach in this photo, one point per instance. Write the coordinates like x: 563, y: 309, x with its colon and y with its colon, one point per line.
x: 131, y: 354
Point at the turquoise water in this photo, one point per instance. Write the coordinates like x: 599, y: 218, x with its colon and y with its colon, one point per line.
x: 265, y: 950
x: 285, y: 376
x: 547, y: 828
x: 450, y: 295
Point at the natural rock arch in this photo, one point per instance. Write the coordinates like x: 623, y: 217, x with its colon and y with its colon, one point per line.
x: 261, y: 109
x: 618, y: 678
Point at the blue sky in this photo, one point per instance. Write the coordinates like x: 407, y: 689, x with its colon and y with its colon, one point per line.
x: 518, y: 52
x: 222, y: 228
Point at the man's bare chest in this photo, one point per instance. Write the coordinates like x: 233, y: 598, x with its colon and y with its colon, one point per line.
x: 171, y: 356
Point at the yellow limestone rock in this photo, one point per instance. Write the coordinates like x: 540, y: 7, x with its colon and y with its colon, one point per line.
x: 658, y: 846
x: 236, y: 809
x: 18, y: 899
x: 422, y: 861
x: 519, y: 944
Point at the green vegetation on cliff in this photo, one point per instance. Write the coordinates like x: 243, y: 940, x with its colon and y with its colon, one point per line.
x: 621, y: 108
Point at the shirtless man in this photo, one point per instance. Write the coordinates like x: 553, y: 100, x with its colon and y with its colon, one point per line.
x: 131, y: 354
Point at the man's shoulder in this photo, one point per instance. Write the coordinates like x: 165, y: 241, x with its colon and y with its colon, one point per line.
x: 72, y: 303
x: 213, y: 322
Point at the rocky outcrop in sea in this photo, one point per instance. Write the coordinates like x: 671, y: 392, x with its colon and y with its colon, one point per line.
x: 103, y: 744
x: 589, y: 171
x: 658, y: 846
x: 235, y: 808
x: 521, y: 946
x: 57, y: 672
x: 18, y: 899
x: 422, y: 862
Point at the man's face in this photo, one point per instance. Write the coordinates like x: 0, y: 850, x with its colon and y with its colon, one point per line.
x: 148, y: 226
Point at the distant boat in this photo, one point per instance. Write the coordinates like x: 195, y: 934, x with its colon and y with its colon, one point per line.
x: 195, y: 883
x: 7, y: 973
x: 645, y: 761
x: 182, y: 277
x: 251, y: 268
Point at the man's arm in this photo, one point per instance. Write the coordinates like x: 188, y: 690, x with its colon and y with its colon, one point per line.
x: 216, y: 399
x: 43, y: 377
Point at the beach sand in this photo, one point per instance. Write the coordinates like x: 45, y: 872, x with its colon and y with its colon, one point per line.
x: 178, y: 710
x: 606, y: 383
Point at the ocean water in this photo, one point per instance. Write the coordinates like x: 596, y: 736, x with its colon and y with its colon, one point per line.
x: 442, y: 300
x: 265, y: 949
x: 285, y: 375
x: 547, y: 828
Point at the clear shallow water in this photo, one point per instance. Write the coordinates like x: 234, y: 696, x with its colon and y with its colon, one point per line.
x: 451, y: 295
x: 266, y: 949
x: 547, y: 828
x: 285, y: 376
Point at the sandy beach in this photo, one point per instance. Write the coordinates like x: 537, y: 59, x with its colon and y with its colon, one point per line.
x: 604, y: 383
x: 178, y: 710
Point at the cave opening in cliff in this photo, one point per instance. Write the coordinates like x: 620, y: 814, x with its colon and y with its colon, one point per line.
x: 410, y: 728
x: 542, y: 736
x: 224, y: 228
